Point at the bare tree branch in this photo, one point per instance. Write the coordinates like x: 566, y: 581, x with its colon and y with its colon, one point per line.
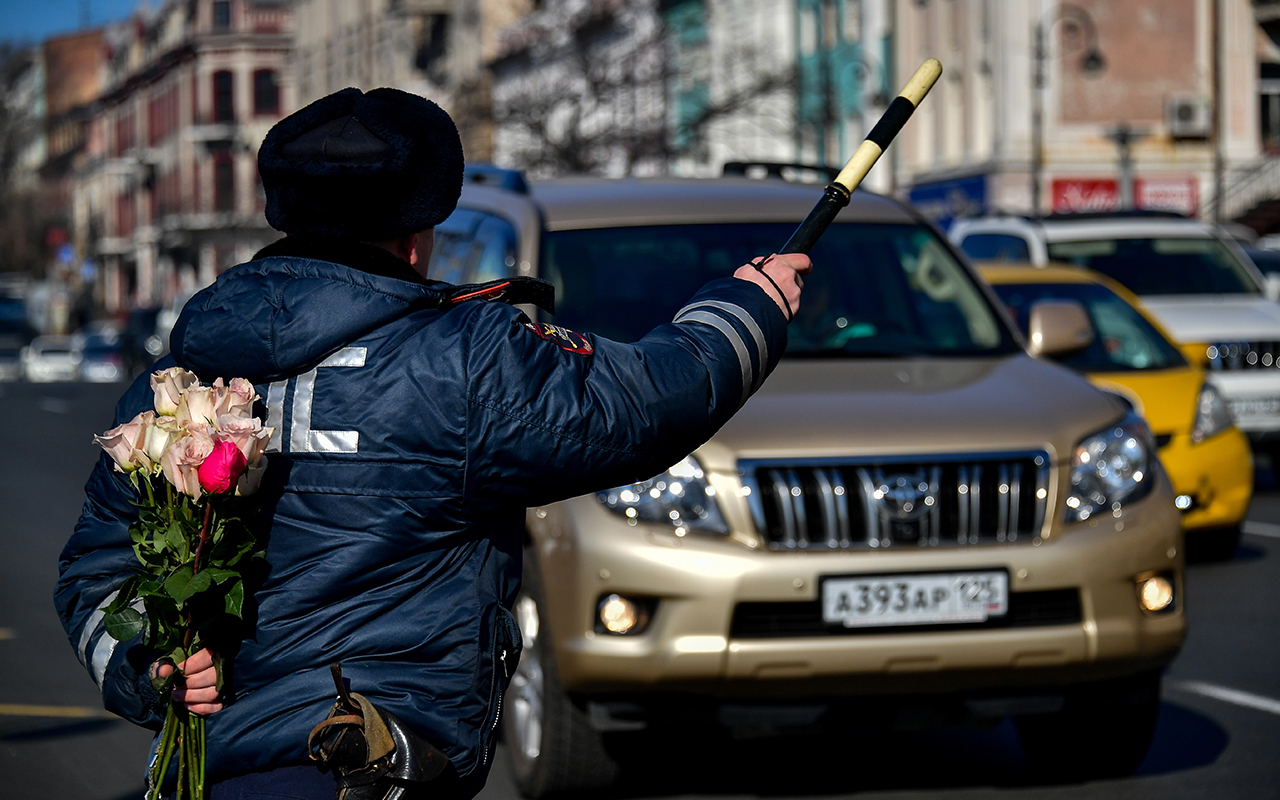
x: 599, y: 95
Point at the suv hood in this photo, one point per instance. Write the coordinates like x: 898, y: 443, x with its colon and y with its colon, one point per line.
x: 915, y: 407
x: 1216, y: 318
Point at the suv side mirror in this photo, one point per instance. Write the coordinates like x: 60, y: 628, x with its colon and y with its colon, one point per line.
x: 1057, y: 327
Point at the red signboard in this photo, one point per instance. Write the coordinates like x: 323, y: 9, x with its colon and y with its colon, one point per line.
x: 1076, y: 195
x: 1167, y: 194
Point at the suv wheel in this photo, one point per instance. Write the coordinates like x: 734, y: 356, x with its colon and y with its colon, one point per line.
x: 1102, y: 731
x: 552, y: 745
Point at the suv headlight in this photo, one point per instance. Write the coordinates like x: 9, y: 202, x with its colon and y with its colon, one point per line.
x: 1212, y: 414
x: 1110, y: 468
x: 679, y: 497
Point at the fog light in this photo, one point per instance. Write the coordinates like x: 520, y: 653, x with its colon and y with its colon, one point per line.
x: 622, y: 615
x: 1182, y: 501
x: 1156, y: 593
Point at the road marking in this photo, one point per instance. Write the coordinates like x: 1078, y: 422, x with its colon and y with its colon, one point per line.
x: 1255, y: 701
x: 6, y: 633
x: 75, y: 712
x: 53, y: 405
x: 1261, y: 529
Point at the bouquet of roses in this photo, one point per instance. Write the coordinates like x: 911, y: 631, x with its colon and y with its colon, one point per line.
x: 192, y: 460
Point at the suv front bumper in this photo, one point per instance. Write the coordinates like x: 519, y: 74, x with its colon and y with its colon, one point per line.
x: 586, y: 552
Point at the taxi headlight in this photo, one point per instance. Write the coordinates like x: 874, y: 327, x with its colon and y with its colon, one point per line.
x: 1111, y: 468
x: 1212, y: 414
x: 680, y: 497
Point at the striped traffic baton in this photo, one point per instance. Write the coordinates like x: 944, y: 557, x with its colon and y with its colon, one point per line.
x: 839, y: 191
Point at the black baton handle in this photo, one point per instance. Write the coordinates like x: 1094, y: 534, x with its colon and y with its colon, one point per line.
x: 839, y: 191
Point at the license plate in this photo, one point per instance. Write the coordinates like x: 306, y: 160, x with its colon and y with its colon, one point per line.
x: 1250, y: 408
x: 929, y: 599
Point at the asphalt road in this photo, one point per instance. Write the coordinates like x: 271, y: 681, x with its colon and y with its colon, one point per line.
x: 1218, y: 735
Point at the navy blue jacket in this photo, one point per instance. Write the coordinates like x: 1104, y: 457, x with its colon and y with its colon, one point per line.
x: 409, y: 440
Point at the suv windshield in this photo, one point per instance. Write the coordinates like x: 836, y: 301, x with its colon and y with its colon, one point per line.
x: 1123, y: 339
x: 1162, y: 266
x: 876, y: 290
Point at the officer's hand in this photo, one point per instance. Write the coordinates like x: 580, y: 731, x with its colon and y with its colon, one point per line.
x: 197, y: 689
x: 785, y: 271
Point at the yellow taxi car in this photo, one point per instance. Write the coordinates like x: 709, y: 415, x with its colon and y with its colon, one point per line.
x: 1208, y: 459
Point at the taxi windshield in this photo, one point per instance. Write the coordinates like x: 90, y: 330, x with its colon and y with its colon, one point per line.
x: 1123, y: 339
x: 1200, y: 265
x: 877, y: 290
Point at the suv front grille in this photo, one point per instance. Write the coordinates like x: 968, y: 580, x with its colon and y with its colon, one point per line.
x: 1243, y: 355
x: 921, y: 502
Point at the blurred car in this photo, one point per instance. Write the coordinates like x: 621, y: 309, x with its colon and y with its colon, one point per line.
x: 1267, y: 261
x: 102, y: 357
x: 1207, y: 457
x: 906, y: 518
x: 11, y: 345
x: 141, y: 345
x: 50, y: 359
x: 1196, y: 281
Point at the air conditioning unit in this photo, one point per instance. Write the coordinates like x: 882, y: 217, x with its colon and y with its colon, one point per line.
x: 1188, y: 116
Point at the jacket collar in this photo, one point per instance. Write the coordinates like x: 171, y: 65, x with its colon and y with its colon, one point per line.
x: 351, y: 253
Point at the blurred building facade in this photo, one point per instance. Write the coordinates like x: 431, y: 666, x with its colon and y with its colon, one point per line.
x: 166, y: 192
x: 684, y: 86
x: 434, y: 48
x: 1142, y: 103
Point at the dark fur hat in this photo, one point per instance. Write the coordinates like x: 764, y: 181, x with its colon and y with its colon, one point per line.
x: 369, y: 166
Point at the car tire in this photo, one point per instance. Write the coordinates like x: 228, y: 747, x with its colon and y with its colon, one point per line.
x: 1102, y: 731
x: 552, y: 746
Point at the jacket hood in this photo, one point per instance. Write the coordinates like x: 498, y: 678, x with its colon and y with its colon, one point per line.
x: 282, y: 313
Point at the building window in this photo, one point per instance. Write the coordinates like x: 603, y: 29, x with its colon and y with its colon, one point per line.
x: 223, y: 108
x: 266, y: 92
x: 224, y: 182
x: 222, y: 15
x: 1269, y: 112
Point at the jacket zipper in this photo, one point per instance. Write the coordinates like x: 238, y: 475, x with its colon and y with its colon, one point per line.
x: 502, y: 656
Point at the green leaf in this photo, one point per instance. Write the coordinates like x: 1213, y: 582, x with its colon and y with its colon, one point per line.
x: 200, y: 582
x: 125, y: 596
x: 235, y: 599
x: 150, y: 589
x: 178, y: 585
x: 124, y: 625
x: 219, y: 575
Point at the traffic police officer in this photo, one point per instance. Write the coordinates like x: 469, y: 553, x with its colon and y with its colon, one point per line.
x: 412, y: 431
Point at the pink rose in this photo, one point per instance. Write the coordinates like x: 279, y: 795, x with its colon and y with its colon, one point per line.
x: 168, y: 386
x: 198, y: 406
x: 252, y: 478
x: 122, y: 441
x: 236, y: 398
x: 182, y: 460
x: 222, y: 468
x: 247, y: 433
x: 157, y: 437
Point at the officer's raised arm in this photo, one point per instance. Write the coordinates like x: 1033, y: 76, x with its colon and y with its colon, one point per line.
x: 577, y: 413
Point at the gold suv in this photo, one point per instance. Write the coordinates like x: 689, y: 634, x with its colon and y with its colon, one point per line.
x: 912, y: 513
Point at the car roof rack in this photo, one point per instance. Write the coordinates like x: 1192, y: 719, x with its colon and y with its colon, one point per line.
x: 777, y: 169
x: 499, y: 178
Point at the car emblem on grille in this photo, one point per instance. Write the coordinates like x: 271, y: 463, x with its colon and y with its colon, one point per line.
x: 904, y: 497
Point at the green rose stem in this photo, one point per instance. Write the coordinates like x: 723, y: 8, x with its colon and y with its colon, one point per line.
x: 184, y: 732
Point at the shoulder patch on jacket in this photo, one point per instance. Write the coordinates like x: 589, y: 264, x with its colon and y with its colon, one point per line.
x: 563, y: 338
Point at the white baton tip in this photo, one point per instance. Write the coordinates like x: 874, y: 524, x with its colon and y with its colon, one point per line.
x: 922, y: 81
